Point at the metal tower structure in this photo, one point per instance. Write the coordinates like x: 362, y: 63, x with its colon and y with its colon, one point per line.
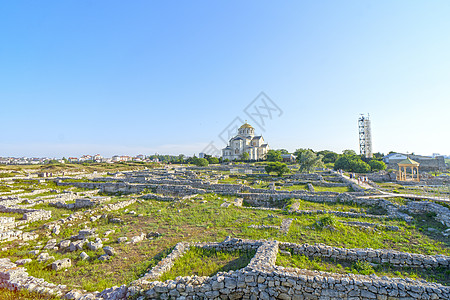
x: 365, y: 136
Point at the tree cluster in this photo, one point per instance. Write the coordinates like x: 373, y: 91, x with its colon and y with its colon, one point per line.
x: 351, y: 162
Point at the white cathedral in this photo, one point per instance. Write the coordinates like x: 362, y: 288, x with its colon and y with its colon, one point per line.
x: 246, y: 141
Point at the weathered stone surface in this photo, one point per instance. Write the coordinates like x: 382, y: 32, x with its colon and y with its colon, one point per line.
x: 23, y: 261
x: 84, y: 256
x: 122, y: 239
x: 44, y: 256
x: 109, y: 250
x: 61, y: 264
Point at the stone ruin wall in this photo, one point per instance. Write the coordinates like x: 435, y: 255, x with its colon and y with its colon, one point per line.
x: 262, y: 279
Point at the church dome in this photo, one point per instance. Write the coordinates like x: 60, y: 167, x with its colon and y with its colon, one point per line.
x: 246, y: 125
x: 246, y: 130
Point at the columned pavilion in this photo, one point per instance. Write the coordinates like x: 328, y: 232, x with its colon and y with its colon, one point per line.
x: 404, y: 174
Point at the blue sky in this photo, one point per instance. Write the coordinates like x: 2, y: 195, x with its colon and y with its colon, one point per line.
x: 114, y: 77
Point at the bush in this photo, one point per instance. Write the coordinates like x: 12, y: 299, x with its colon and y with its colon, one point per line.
x: 363, y: 267
x: 200, y: 162
x: 213, y: 160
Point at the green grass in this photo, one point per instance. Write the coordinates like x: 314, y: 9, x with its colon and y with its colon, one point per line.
x: 295, y: 187
x: 336, y: 189
x: 6, y: 294
x: 207, y: 262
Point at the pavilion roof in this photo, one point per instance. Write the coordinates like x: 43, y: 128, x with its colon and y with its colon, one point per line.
x: 408, y: 161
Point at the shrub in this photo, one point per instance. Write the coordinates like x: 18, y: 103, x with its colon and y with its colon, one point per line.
x: 363, y: 267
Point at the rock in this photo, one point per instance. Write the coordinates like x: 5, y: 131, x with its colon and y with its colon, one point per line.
x: 286, y: 253
x: 64, y: 243
x: 56, y: 230
x: 109, y: 250
x: 137, y: 238
x: 86, y: 233
x: 44, y: 256
x: 115, y: 221
x: 77, y: 245
x: 122, y: 239
x: 61, y: 264
x: 73, y: 295
x: 108, y: 232
x: 34, y: 252
x: 153, y: 234
x: 104, y: 257
x: 50, y: 244
x: 84, y: 256
x: 24, y: 261
x: 94, y: 246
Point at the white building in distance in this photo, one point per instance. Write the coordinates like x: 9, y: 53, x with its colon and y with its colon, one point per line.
x: 245, y: 141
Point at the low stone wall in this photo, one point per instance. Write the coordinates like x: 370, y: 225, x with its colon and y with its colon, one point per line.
x: 82, y: 203
x: 395, y: 258
x: 169, y: 189
x: 345, y: 214
x: 30, y: 215
x: 420, y: 207
x: 14, y: 278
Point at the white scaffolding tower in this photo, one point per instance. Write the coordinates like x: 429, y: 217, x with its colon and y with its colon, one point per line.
x: 365, y: 136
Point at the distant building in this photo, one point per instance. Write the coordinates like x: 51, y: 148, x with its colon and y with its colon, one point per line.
x: 427, y: 163
x: 117, y: 158
x: 288, y: 157
x: 98, y: 158
x: 245, y: 141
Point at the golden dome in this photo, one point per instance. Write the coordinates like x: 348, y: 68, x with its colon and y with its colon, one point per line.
x: 246, y: 125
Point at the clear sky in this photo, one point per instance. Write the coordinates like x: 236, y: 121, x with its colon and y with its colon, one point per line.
x: 132, y: 77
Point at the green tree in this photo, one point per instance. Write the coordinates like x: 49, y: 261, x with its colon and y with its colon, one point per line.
x: 378, y: 155
x: 377, y: 165
x: 309, y: 161
x: 213, y: 160
x: 360, y: 166
x: 349, y: 152
x: 351, y: 163
x: 274, y: 155
x: 283, y: 151
x: 277, y: 167
x: 328, y: 156
x: 245, y: 156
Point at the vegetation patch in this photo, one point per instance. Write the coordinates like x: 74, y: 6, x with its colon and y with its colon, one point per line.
x: 207, y: 262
